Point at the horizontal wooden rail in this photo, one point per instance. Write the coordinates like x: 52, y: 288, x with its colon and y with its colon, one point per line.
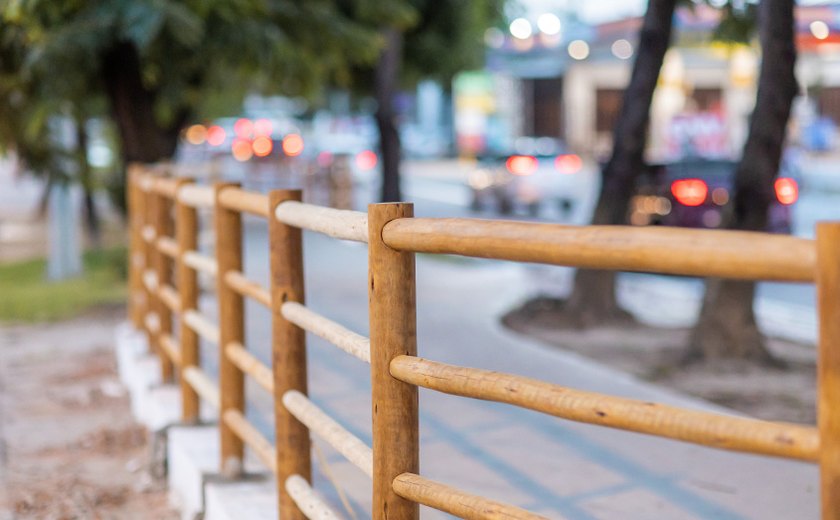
x: 196, y: 196
x: 307, y: 500
x: 252, y: 366
x: 709, y: 429
x: 171, y: 348
x: 202, y: 263
x: 241, y: 200
x: 456, y: 502
x: 152, y: 322
x: 166, y: 186
x: 345, y: 339
x: 169, y: 296
x: 252, y: 437
x: 690, y: 252
x: 150, y: 280
x: 239, y: 283
x: 328, y: 429
x: 336, y: 223
x: 167, y: 246
x: 202, y: 325
x: 148, y: 233
x: 203, y: 385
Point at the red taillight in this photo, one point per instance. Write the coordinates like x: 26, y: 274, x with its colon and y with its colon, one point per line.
x: 521, y: 164
x: 690, y: 192
x: 366, y: 160
x: 292, y: 145
x: 568, y: 163
x: 787, y: 191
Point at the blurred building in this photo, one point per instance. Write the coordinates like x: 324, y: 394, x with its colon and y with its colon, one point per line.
x: 568, y: 84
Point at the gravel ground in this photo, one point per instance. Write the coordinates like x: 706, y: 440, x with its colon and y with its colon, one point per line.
x: 70, y: 448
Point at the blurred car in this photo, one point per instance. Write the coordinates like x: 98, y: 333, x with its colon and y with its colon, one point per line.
x: 694, y: 191
x: 539, y: 175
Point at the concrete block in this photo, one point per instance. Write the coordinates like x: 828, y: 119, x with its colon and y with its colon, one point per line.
x: 254, y: 500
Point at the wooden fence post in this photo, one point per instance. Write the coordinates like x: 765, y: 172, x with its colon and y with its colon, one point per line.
x: 186, y: 234
x: 288, y: 352
x: 828, y: 365
x: 228, y: 229
x: 393, y: 332
x: 136, y: 257
x: 147, y: 198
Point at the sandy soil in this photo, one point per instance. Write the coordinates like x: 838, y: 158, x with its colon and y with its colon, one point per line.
x: 70, y: 448
x: 653, y: 354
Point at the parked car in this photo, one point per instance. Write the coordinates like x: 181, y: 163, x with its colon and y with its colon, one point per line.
x: 539, y: 175
x: 694, y: 191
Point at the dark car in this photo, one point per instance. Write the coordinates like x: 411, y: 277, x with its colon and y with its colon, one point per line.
x: 693, y: 192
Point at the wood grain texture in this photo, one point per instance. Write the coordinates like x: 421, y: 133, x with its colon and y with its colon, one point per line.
x: 709, y: 429
x: 456, y: 502
x: 243, y: 201
x: 692, y: 252
x: 252, y: 437
x: 828, y: 365
x: 249, y: 364
x: 336, y: 223
x: 288, y: 352
x: 239, y: 283
x: 136, y: 258
x: 228, y: 228
x: 328, y: 429
x: 393, y: 332
x: 307, y: 500
x: 354, y: 344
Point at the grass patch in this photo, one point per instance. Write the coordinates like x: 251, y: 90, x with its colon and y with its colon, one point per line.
x: 27, y: 296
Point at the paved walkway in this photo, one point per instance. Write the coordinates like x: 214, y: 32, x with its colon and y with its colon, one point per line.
x: 559, y: 468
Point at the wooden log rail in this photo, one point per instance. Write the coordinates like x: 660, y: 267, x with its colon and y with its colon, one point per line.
x: 454, y: 501
x: 336, y: 223
x: 307, y: 500
x: 690, y: 252
x: 354, y: 344
x: 705, y: 428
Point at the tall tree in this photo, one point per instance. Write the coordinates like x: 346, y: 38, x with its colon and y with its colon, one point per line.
x: 727, y: 328
x: 593, y: 297
x: 421, y: 39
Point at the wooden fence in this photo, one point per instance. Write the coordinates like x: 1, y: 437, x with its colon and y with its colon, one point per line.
x: 164, y: 240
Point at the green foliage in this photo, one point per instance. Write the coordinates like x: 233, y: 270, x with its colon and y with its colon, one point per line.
x: 29, y: 297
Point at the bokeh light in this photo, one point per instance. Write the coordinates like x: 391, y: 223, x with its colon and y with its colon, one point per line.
x: 216, y: 135
x: 241, y: 150
x: 548, y: 23
x: 292, y: 145
x: 366, y: 160
x: 196, y: 134
x: 243, y: 128
x: 578, y: 49
x: 819, y: 29
x: 622, y: 49
x: 262, y: 146
x: 263, y: 127
x: 521, y: 28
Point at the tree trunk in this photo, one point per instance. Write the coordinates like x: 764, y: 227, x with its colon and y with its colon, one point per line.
x: 386, y: 77
x: 91, y: 215
x: 727, y: 328
x: 593, y: 298
x: 132, y: 108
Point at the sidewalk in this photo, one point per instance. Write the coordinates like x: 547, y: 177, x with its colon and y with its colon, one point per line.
x: 555, y: 467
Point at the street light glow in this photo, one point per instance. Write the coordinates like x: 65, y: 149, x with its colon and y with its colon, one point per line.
x: 521, y: 28
x: 549, y: 24
x: 622, y: 49
x: 819, y: 29
x: 578, y: 49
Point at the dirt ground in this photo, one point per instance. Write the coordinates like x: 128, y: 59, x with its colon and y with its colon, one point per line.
x: 70, y: 449
x: 653, y: 354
